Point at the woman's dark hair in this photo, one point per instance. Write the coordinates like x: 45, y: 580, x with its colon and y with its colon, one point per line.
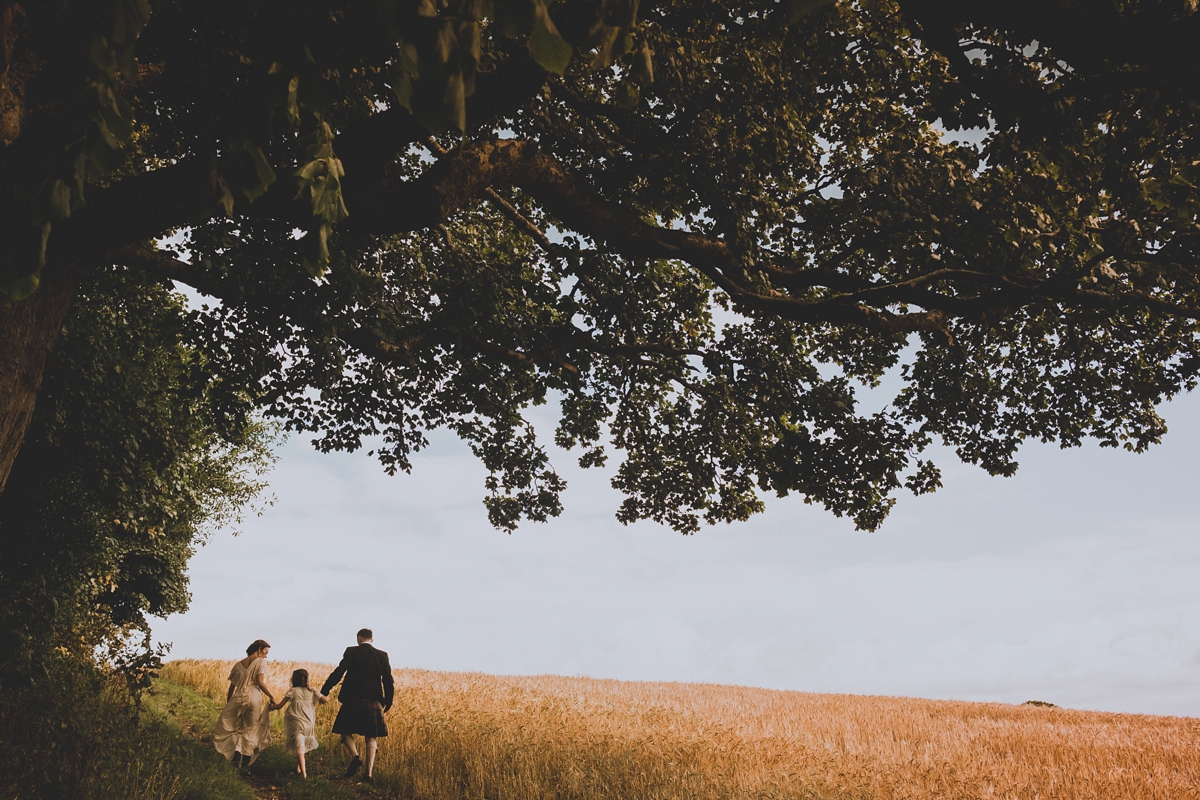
x: 300, y: 678
x: 256, y: 645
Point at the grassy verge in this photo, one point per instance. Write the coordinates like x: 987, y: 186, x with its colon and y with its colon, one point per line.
x: 75, y: 735
x: 195, y: 714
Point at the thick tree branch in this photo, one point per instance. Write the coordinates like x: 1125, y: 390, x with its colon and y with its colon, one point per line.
x: 508, y: 209
x: 391, y: 206
x: 1090, y: 36
x: 454, y: 182
x: 399, y: 350
x: 148, y: 205
x: 457, y: 180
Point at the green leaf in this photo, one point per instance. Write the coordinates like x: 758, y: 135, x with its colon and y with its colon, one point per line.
x: 128, y: 18
x: 802, y: 8
x: 479, y: 10
x: 58, y: 199
x: 446, y: 43
x: 19, y: 287
x: 619, y: 13
x: 550, y: 50
x: 401, y: 86
x: 469, y: 45
x: 293, y: 103
x: 116, y: 115
x: 611, y: 43
x: 627, y: 95
x: 24, y: 257
x: 515, y: 18
x: 78, y: 178
x: 315, y: 250
x: 224, y: 195
x: 322, y: 175
x: 102, y: 159
x: 248, y: 170
x: 643, y: 65
x: 410, y: 59
x: 314, y: 92
x: 331, y: 204
x: 454, y: 102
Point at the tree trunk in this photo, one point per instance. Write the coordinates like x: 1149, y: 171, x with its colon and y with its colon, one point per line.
x: 28, y: 329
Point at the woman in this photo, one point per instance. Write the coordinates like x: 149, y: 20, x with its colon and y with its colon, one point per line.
x: 244, y: 727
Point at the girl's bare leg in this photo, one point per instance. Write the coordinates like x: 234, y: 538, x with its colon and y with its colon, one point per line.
x: 303, y: 768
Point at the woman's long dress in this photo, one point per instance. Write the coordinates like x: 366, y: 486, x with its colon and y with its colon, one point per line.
x: 245, y: 723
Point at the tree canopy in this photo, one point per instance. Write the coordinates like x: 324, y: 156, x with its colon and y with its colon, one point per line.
x: 699, y: 227
x: 124, y: 473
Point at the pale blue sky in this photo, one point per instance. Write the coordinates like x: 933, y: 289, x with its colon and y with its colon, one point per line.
x: 1074, y: 582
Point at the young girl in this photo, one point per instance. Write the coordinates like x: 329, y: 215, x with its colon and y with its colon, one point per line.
x: 300, y: 721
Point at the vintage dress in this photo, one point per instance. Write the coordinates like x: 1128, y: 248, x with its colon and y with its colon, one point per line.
x: 245, y: 723
x: 300, y: 720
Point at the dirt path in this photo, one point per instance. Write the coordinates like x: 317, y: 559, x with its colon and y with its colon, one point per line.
x: 265, y: 781
x: 263, y: 788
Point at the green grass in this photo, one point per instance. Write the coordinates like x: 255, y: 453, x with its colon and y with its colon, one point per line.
x: 193, y: 713
x: 203, y: 774
x: 319, y: 788
x: 76, y: 736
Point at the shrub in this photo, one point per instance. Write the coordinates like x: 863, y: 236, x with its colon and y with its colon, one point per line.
x: 74, y: 735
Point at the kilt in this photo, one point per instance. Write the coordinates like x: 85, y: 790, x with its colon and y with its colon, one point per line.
x: 364, y: 717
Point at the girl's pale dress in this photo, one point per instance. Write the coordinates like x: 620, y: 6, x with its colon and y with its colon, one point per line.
x: 245, y: 723
x: 300, y: 720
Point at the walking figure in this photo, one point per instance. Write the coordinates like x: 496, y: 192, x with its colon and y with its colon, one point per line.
x: 366, y: 695
x: 300, y: 720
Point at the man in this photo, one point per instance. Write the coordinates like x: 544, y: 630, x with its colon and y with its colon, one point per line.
x: 366, y: 696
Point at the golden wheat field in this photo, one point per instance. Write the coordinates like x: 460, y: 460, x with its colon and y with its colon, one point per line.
x: 469, y: 735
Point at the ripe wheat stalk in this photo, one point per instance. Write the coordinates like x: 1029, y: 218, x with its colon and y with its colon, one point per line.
x: 469, y: 736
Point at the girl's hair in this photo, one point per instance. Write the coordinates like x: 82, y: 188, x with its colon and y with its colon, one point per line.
x: 300, y: 678
x: 256, y: 645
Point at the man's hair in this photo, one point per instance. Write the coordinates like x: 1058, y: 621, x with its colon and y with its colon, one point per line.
x: 256, y: 645
x: 300, y: 678
x: 365, y: 633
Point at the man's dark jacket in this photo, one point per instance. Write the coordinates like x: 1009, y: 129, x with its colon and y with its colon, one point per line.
x: 368, y: 676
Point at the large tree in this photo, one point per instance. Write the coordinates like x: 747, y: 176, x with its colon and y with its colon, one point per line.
x: 125, y: 470
x: 696, y: 225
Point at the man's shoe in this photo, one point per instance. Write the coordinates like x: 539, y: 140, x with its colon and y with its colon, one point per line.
x: 355, y: 763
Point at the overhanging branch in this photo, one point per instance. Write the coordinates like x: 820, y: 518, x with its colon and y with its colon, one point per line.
x: 398, y: 350
x: 478, y: 170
